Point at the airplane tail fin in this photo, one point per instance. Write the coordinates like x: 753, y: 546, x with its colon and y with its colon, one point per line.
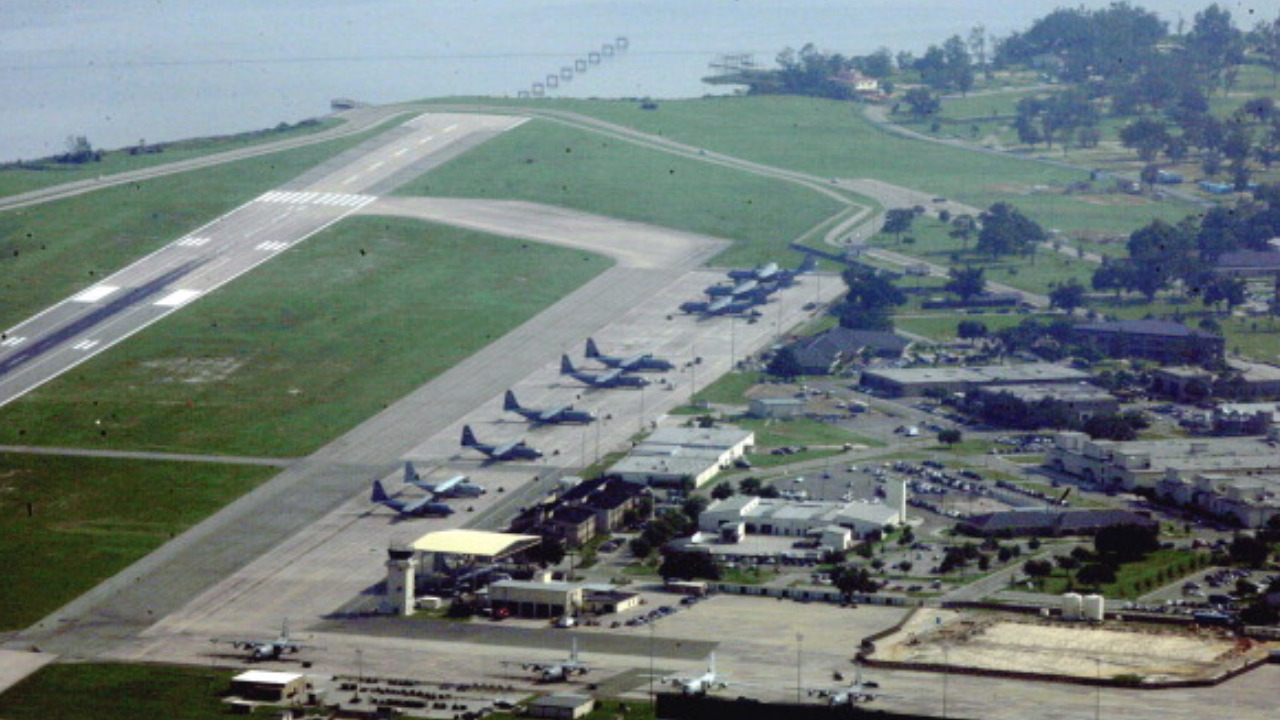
x: 468, y: 437
x: 509, y: 402
x: 379, y: 493
x: 592, y: 350
x: 566, y: 367
x: 410, y: 473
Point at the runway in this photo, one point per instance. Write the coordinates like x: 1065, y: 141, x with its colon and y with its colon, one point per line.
x: 148, y: 290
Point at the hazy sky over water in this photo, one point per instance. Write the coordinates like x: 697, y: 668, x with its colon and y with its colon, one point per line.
x: 121, y: 70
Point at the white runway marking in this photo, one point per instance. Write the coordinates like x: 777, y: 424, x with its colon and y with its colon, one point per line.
x: 13, y: 341
x: 85, y: 345
x: 377, y: 165
x: 272, y: 246
x: 193, y: 241
x: 317, y: 198
x: 401, y: 151
x: 351, y: 179
x: 426, y: 139
x: 178, y: 297
x: 450, y: 128
x: 94, y: 294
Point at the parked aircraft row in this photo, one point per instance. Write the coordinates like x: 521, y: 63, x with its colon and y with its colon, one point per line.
x: 751, y: 288
x: 617, y: 375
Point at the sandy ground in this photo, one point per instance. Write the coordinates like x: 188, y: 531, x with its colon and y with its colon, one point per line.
x: 1028, y: 645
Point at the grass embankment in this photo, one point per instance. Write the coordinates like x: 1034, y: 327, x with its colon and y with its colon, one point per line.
x: 306, y: 346
x: 109, y: 691
x: 30, y: 175
x: 90, y: 518
x: 50, y: 251
x: 549, y: 163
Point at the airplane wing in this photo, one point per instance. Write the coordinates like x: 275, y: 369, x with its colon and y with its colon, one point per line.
x: 239, y: 643
x: 553, y: 413
x: 634, y: 360
x: 504, y: 450
x: 605, y: 378
x: 416, y: 505
x: 447, y: 485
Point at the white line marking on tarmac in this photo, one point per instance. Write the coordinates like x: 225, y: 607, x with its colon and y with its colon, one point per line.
x: 450, y: 128
x: 426, y: 139
x: 178, y: 297
x: 272, y: 246
x: 377, y: 165
x: 351, y: 179
x: 85, y: 345
x: 193, y: 241
x: 94, y: 294
x: 13, y: 341
x: 401, y: 151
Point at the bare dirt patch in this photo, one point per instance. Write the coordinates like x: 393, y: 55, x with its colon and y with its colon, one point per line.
x: 193, y: 370
x: 1013, y: 643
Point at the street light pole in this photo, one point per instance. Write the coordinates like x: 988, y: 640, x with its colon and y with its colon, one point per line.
x: 799, y: 665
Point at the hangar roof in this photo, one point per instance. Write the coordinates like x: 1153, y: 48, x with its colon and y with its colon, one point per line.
x: 473, y: 542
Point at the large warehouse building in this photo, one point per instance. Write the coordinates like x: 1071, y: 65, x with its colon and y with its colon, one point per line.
x: 910, y: 382
x: 1143, y: 463
x: 762, y: 516
x: 674, y: 456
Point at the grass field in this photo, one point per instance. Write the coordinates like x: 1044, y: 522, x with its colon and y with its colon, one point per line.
x: 90, y: 518
x: 50, y: 251
x: 34, y: 175
x: 833, y: 139
x: 108, y: 691
x: 549, y: 163
x: 306, y: 346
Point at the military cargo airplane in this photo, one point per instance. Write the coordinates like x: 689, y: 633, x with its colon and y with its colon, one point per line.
x: 559, y: 671
x: 851, y: 694
x: 422, y: 507
x: 642, y: 361
x: 455, y: 487
x: 702, y: 684
x: 607, y: 379
x: 772, y: 273
x: 742, y: 287
x: 727, y: 305
x: 562, y: 414
x: 508, y: 451
x: 268, y: 649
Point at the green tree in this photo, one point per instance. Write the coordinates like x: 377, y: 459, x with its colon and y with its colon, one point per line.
x: 898, y: 221
x: 971, y: 329
x: 963, y: 228
x: 785, y: 364
x: 722, y: 490
x: 949, y: 436
x: 967, y: 282
x: 921, y: 103
x: 1067, y: 296
x: 1006, y: 231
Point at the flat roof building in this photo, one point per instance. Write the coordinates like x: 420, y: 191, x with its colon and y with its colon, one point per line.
x: 1142, y: 463
x: 1249, y: 502
x: 908, y: 382
x: 1160, y: 340
x: 672, y: 456
x: 564, y: 706
x: 270, y: 687
x: 772, y: 516
x: 1082, y: 400
x: 1049, y: 523
x: 525, y: 598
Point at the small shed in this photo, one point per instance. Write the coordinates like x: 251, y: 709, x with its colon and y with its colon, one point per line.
x: 561, y: 705
x: 268, y: 686
x: 781, y: 407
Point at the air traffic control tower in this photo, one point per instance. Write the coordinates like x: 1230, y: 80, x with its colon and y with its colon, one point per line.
x: 402, y: 569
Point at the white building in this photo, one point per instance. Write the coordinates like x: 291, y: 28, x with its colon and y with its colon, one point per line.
x: 765, y: 516
x: 673, y: 455
x: 1143, y: 463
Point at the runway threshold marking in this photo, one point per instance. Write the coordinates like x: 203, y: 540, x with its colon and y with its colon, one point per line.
x: 14, y: 341
x: 193, y: 241
x: 178, y: 297
x: 272, y: 246
x: 85, y: 345
x: 95, y: 293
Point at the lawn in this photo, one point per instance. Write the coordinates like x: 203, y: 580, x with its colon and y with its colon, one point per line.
x: 73, y: 522
x: 262, y: 368
x: 799, y: 431
x: 730, y: 389
x: 547, y: 162
x: 36, y: 174
x: 942, y: 327
x: 52, y: 250
x: 1132, y: 579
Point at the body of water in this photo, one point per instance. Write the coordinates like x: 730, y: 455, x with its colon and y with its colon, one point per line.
x: 120, y: 71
